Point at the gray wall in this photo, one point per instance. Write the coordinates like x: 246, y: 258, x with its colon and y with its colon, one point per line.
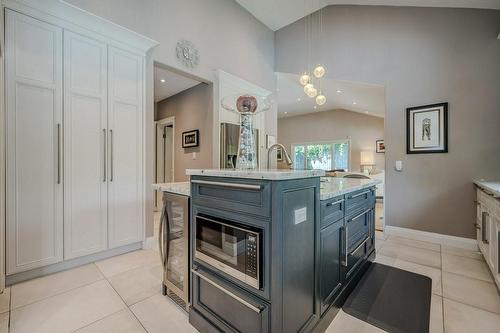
x: 192, y: 109
x: 422, y: 56
x: 363, y: 130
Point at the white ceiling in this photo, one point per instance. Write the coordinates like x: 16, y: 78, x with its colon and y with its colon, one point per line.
x: 174, y: 83
x: 279, y: 13
x: 369, y: 98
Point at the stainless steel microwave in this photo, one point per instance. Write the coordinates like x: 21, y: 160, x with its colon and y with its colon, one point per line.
x: 230, y: 247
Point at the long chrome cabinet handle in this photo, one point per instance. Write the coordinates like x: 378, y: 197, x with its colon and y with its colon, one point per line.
x: 359, y: 194
x: 111, y: 154
x: 334, y: 203
x: 359, y: 215
x: 104, y: 155
x: 59, y: 153
x: 360, y: 245
x: 160, y: 237
x: 232, y: 185
x: 346, y: 235
x: 227, y: 292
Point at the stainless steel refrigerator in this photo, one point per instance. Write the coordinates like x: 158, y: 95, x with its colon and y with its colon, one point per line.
x: 173, y: 239
x: 229, y: 137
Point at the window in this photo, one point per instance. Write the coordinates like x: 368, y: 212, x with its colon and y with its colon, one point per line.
x: 322, y: 155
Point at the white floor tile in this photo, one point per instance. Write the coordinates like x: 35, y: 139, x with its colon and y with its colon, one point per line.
x: 4, y: 322
x: 5, y: 300
x: 433, y: 273
x: 461, y: 252
x: 414, y: 243
x: 381, y: 235
x: 436, y: 320
x: 480, y: 294
x: 123, y: 322
x: 37, y: 289
x: 344, y: 323
x: 138, y: 284
x: 417, y: 255
x: 473, y: 268
x: 159, y: 315
x: 461, y: 318
x: 385, y: 260
x: 128, y: 261
x: 68, y: 311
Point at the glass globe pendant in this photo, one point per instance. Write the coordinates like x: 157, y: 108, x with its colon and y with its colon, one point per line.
x: 321, y: 99
x: 312, y: 92
x: 304, y: 79
x: 319, y: 71
x: 308, y: 87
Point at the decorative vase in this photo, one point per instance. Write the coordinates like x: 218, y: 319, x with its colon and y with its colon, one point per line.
x: 246, y: 106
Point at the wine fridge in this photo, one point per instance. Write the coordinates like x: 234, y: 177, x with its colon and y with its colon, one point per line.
x: 173, y: 240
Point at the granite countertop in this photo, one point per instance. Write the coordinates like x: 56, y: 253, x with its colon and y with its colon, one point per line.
x: 332, y: 186
x: 182, y: 188
x: 490, y: 186
x: 270, y: 174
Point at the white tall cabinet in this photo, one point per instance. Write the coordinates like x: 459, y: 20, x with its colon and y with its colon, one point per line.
x: 34, y: 96
x: 74, y: 136
x: 85, y: 154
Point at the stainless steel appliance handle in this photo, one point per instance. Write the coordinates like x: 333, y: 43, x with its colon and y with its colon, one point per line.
x: 334, y: 203
x: 227, y: 292
x: 104, y: 154
x: 231, y: 185
x: 484, y: 231
x: 346, y: 237
x: 359, y: 194
x: 59, y: 153
x: 160, y: 237
x: 359, y: 215
x: 360, y: 245
x: 111, y: 166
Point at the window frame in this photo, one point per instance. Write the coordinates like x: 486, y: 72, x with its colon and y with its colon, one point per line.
x: 322, y: 142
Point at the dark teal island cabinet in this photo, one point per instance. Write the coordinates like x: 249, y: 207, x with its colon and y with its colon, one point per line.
x: 276, y: 250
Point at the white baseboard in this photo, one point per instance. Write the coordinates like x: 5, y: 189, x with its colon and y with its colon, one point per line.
x: 460, y: 242
x: 148, y: 243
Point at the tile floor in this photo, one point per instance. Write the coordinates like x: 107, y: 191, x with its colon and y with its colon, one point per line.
x: 122, y: 294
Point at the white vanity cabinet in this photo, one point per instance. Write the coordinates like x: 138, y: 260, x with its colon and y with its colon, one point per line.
x: 75, y: 135
x: 488, y: 230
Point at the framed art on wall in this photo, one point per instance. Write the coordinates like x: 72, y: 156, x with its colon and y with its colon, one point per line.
x: 427, y: 129
x: 380, y: 146
x: 190, y: 139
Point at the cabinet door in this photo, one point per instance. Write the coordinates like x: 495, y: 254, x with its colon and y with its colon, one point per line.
x: 85, y: 117
x: 330, y: 274
x: 125, y: 141
x: 34, y: 156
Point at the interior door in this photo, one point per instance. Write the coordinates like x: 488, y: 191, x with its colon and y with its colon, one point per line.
x: 34, y: 141
x: 85, y: 121
x: 125, y: 141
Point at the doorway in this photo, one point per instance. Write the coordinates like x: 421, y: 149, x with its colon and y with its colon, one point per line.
x: 165, y: 166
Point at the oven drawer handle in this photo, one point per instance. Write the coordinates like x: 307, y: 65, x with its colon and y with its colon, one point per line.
x: 359, y: 194
x: 360, y: 245
x: 227, y: 292
x: 334, y: 203
x: 359, y: 215
x: 231, y: 185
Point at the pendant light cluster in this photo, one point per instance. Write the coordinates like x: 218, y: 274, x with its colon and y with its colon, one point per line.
x: 311, y: 80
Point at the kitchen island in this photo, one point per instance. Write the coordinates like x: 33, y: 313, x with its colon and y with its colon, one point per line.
x: 276, y: 250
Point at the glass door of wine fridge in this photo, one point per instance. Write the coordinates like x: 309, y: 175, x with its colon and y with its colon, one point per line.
x: 174, y: 247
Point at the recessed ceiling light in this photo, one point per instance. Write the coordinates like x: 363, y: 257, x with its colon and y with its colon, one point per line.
x: 315, y: 107
x: 339, y: 91
x: 298, y: 99
x: 162, y: 80
x: 285, y: 112
x: 354, y: 103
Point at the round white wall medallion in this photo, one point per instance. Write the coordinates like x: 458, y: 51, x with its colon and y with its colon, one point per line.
x: 187, y: 54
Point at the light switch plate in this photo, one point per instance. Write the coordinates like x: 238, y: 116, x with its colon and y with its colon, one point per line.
x: 399, y: 165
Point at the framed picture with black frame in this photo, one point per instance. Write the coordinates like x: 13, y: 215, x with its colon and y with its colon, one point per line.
x: 191, y: 139
x: 427, y: 129
x: 380, y: 146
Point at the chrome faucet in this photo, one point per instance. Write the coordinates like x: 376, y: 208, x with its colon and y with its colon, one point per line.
x: 288, y: 160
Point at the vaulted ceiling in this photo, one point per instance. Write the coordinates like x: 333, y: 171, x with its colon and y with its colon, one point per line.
x: 279, y: 13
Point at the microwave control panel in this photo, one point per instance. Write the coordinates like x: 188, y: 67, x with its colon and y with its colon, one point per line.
x: 252, y: 255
